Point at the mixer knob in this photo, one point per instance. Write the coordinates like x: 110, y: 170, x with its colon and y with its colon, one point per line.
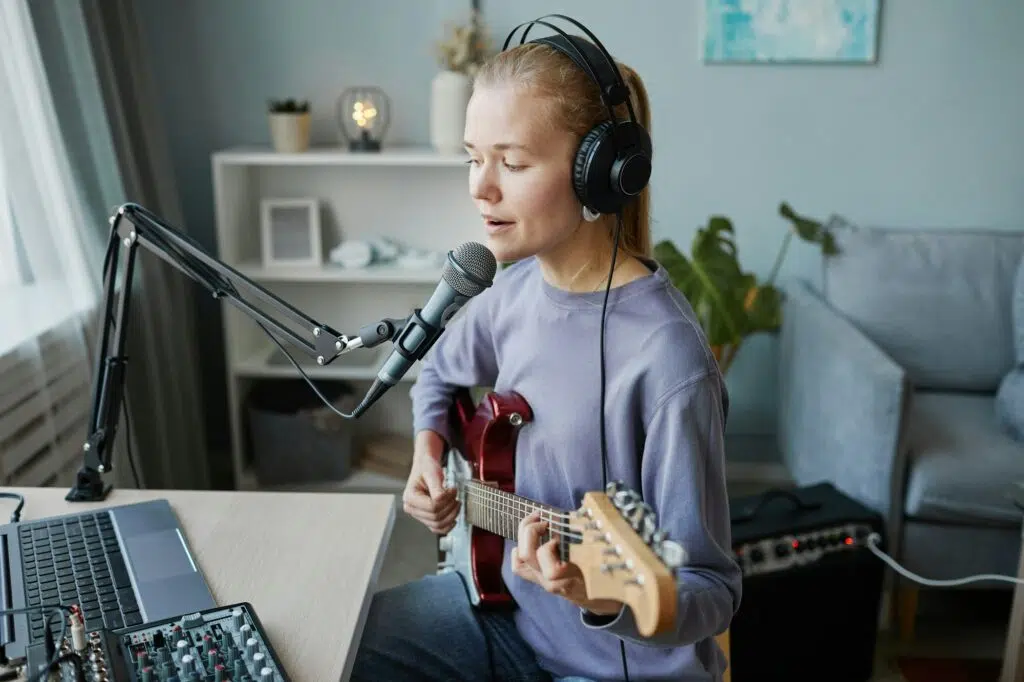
x: 179, y: 649
x: 148, y: 674
x: 187, y: 663
x: 266, y: 674
x: 237, y: 618
x: 257, y: 660
x: 220, y: 674
x: 251, y: 647
x: 239, y: 669
x: 193, y: 620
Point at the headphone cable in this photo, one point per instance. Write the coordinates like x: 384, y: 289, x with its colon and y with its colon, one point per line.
x: 604, y: 439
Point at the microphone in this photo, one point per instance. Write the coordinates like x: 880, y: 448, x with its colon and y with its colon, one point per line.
x: 469, y: 270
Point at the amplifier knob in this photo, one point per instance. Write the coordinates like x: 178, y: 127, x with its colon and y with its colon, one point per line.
x: 757, y: 555
x: 782, y: 550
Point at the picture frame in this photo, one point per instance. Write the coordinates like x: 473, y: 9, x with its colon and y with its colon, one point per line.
x: 291, y: 232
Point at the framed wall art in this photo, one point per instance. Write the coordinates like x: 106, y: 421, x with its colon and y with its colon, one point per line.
x: 789, y: 31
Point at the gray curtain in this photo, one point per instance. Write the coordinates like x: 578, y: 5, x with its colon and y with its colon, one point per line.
x: 163, y: 396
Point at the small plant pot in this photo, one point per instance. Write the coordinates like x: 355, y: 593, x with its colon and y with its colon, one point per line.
x: 289, y: 132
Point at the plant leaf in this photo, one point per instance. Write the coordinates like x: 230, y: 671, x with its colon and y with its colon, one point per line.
x: 809, y: 230
x: 711, y: 280
x: 764, y: 308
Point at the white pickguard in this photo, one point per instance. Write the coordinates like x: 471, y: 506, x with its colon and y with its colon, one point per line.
x: 456, y: 544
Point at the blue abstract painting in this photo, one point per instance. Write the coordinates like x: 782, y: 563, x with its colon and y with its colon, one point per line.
x: 790, y: 30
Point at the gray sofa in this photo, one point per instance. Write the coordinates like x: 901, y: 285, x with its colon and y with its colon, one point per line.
x: 899, y: 383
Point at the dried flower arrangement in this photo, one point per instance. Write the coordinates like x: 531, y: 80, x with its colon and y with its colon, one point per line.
x: 466, y: 47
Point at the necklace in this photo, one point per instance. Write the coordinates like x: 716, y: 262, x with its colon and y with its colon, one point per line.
x: 604, y: 280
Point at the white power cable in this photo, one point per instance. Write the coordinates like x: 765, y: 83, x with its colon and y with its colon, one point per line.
x: 875, y: 538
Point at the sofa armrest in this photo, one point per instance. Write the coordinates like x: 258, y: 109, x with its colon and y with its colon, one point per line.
x: 842, y: 401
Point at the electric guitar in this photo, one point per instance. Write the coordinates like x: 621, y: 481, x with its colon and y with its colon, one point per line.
x: 612, y: 537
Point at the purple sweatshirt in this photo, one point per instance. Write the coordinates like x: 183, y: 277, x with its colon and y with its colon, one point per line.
x: 666, y: 403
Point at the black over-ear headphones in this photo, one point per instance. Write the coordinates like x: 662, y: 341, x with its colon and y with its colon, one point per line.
x: 613, y: 162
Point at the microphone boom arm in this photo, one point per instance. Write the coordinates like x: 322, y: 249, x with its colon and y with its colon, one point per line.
x: 133, y: 226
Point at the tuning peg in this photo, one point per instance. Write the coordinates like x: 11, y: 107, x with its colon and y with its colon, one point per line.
x: 624, y: 498
x: 672, y: 554
x: 658, y: 537
x: 613, y: 488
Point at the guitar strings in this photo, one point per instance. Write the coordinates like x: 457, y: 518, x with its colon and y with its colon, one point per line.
x: 495, y: 503
x: 500, y: 496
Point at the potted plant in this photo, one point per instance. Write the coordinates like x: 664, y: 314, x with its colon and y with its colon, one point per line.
x: 289, y: 125
x: 731, y: 303
x: 460, y: 55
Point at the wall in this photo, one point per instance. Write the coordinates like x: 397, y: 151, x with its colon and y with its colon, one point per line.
x: 931, y: 135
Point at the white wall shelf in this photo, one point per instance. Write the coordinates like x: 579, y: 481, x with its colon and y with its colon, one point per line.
x: 340, y: 156
x: 411, y: 195
x: 379, y: 274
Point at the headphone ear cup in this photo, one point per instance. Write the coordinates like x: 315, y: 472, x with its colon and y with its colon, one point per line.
x: 591, y: 186
x: 604, y: 178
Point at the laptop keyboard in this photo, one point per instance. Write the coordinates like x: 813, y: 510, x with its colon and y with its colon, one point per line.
x: 77, y: 560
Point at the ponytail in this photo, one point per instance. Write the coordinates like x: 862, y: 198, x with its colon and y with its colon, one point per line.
x: 636, y: 217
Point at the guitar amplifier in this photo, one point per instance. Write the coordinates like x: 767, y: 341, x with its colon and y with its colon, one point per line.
x: 812, y: 589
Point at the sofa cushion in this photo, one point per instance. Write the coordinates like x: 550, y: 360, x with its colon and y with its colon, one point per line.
x: 937, y: 301
x: 1009, y: 404
x: 1010, y: 395
x: 962, y: 466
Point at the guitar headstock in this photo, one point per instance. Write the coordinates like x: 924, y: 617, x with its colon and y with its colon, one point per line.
x: 625, y: 556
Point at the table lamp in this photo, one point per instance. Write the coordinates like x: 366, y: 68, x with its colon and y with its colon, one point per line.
x: 364, y: 114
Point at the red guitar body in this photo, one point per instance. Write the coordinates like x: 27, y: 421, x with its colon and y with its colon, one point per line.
x: 485, y: 437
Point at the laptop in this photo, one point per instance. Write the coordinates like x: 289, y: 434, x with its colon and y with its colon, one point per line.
x: 122, y: 565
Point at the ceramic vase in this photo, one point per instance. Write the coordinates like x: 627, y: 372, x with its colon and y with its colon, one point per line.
x: 449, y: 96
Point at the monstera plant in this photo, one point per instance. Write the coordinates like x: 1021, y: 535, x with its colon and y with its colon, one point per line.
x: 730, y: 302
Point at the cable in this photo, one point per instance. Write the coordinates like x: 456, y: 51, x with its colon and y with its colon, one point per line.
x: 55, y: 658
x: 604, y: 437
x: 128, y: 445
x: 16, y: 514
x: 875, y: 538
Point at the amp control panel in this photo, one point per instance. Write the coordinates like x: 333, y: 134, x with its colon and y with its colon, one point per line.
x: 784, y: 552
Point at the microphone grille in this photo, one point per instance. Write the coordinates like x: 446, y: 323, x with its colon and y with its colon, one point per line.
x: 470, y: 268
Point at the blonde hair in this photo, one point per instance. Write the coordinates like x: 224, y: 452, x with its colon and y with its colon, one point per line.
x: 576, y: 105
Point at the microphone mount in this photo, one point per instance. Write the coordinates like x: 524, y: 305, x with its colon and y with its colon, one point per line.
x: 133, y: 226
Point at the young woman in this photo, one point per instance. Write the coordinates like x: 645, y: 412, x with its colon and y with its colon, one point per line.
x: 536, y: 331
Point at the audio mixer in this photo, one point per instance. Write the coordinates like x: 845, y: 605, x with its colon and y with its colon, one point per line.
x: 222, y: 644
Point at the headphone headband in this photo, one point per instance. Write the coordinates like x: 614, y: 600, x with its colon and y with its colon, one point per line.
x: 609, y: 80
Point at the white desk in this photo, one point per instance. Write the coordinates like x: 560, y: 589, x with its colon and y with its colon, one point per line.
x: 307, y: 562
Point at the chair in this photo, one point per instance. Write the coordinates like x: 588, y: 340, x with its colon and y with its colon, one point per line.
x: 895, y: 386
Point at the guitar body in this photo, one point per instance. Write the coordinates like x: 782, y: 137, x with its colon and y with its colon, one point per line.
x: 483, y: 449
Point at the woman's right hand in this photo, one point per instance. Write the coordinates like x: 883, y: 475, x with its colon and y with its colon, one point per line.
x: 425, y: 497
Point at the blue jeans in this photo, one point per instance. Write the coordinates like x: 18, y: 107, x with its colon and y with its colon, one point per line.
x: 428, y: 630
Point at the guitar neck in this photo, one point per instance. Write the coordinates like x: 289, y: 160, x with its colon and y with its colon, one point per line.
x: 501, y: 512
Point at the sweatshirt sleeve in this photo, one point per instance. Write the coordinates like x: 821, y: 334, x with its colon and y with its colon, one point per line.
x: 683, y: 479
x: 464, y: 355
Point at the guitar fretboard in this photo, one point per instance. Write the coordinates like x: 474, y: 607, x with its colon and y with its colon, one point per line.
x: 501, y: 512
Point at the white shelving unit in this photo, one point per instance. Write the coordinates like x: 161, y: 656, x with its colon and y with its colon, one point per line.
x: 410, y: 194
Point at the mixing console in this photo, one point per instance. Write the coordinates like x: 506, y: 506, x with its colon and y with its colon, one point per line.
x: 223, y: 644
